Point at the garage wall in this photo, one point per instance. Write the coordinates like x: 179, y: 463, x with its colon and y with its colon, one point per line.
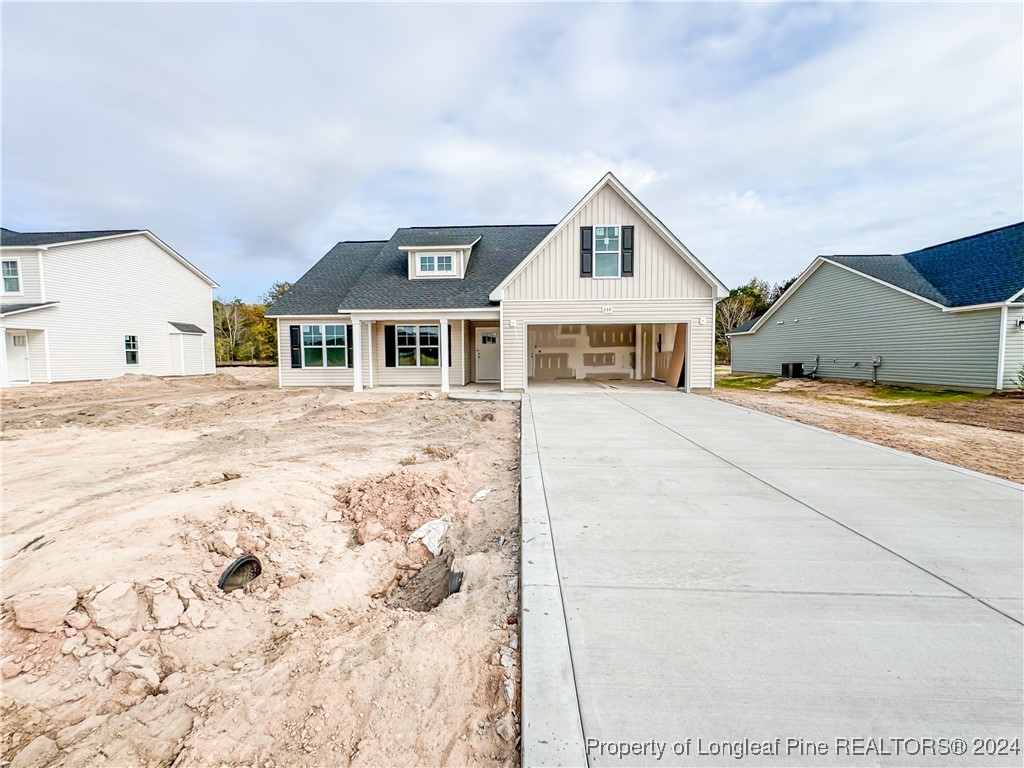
x: 590, y: 351
x: 514, y: 347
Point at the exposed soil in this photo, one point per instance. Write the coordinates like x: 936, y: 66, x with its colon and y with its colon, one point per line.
x: 983, y: 434
x: 138, y: 492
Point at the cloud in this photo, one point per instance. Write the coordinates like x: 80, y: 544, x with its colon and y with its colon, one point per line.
x: 254, y: 136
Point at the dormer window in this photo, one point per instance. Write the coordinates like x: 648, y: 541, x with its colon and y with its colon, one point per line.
x: 431, y: 264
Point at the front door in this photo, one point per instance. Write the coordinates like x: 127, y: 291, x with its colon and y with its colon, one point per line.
x: 17, y: 357
x: 488, y: 355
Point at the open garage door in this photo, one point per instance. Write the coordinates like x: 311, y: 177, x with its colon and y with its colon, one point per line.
x: 607, y: 352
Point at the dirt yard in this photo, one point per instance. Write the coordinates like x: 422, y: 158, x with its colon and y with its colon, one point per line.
x: 982, y: 433
x: 124, y: 501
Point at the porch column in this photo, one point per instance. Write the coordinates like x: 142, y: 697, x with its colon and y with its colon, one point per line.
x: 445, y: 355
x: 357, y: 356
x: 4, y: 375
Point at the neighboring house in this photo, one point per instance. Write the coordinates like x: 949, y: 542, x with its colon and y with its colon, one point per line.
x: 608, y: 292
x: 93, y: 305
x: 949, y: 315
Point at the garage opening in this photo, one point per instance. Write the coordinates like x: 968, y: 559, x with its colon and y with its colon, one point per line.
x: 608, y: 352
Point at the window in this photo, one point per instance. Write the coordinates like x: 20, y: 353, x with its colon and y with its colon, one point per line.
x: 131, y: 350
x: 435, y: 264
x: 418, y: 345
x: 325, y: 346
x: 11, y: 276
x: 606, y: 252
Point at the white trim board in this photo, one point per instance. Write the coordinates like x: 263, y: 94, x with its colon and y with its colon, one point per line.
x: 609, y: 180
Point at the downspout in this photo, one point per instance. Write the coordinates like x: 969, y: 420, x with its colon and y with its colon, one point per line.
x: 1001, y: 362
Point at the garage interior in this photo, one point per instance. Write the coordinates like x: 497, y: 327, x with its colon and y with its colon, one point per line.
x: 608, y: 352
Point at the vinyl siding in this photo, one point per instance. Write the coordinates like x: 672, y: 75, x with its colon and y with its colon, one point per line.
x: 416, y: 377
x: 688, y: 311
x: 310, y: 377
x: 658, y: 271
x: 848, y: 319
x: 111, y: 288
x: 1014, y: 351
x: 28, y: 268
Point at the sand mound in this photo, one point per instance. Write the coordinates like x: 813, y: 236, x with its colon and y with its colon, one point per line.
x: 394, y: 505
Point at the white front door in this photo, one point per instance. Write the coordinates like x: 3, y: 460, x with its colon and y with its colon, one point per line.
x: 488, y: 355
x: 17, y: 358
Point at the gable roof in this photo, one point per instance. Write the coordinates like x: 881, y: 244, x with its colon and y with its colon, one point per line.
x: 608, y: 180
x: 375, y: 275
x: 11, y: 239
x: 986, y: 269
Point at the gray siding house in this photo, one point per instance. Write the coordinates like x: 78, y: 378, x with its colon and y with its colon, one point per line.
x: 949, y: 315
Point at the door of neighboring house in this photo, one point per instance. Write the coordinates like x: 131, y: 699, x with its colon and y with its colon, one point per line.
x: 17, y: 358
x: 488, y: 355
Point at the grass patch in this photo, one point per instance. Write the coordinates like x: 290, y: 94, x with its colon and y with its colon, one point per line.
x: 746, y: 382
x: 909, y: 395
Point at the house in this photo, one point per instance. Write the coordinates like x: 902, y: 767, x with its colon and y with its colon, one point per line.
x: 950, y: 315
x: 608, y: 292
x: 93, y: 305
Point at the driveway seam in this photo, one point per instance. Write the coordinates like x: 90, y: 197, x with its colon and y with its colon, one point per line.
x: 819, y: 512
x: 558, y: 578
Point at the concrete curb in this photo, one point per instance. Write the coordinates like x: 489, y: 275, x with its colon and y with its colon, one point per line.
x: 504, y: 397
x: 552, y: 732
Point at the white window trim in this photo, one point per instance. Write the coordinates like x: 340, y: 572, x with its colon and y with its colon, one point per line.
x: 138, y: 357
x: 322, y: 346
x: 420, y: 272
x: 21, y: 278
x: 399, y: 347
x: 618, y: 260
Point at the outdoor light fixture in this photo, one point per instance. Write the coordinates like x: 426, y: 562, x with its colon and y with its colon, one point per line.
x: 1020, y: 324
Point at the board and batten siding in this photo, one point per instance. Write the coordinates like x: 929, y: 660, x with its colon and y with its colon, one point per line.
x: 1014, y: 350
x: 108, y: 289
x: 658, y: 270
x: 28, y: 269
x: 847, y: 319
x: 690, y: 311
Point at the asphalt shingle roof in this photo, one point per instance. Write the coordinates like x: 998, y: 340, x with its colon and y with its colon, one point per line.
x: 11, y: 238
x: 981, y: 269
x: 6, y: 309
x: 186, y: 327
x: 364, y: 276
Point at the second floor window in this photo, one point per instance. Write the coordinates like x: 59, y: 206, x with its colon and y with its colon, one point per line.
x: 436, y: 264
x: 606, y: 251
x: 11, y: 276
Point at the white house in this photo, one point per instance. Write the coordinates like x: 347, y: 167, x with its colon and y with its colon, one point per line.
x: 94, y: 305
x: 607, y: 293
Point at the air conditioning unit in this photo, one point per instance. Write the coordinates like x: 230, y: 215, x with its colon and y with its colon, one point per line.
x: 792, y: 370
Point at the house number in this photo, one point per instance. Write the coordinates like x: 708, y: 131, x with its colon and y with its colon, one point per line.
x: 607, y: 310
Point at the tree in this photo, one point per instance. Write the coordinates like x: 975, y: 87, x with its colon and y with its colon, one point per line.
x: 230, y: 328
x: 730, y: 313
x: 277, y: 290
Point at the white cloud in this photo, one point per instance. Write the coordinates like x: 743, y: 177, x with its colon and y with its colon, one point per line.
x: 253, y: 136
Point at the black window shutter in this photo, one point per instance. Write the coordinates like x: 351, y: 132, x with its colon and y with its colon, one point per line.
x: 389, y: 347
x: 296, y: 339
x: 349, y: 363
x: 586, y: 251
x: 627, y: 251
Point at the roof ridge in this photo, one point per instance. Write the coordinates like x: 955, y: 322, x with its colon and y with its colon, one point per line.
x: 477, y: 226
x: 967, y: 237
x: 71, y: 231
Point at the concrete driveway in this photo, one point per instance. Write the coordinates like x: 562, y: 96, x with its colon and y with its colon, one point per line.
x: 708, y: 585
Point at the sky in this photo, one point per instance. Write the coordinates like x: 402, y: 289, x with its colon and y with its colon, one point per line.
x: 251, y: 137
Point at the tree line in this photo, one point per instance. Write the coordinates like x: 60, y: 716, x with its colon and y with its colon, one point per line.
x: 242, y: 332
x: 744, y: 303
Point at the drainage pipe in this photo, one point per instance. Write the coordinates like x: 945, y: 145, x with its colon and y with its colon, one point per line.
x: 876, y: 363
